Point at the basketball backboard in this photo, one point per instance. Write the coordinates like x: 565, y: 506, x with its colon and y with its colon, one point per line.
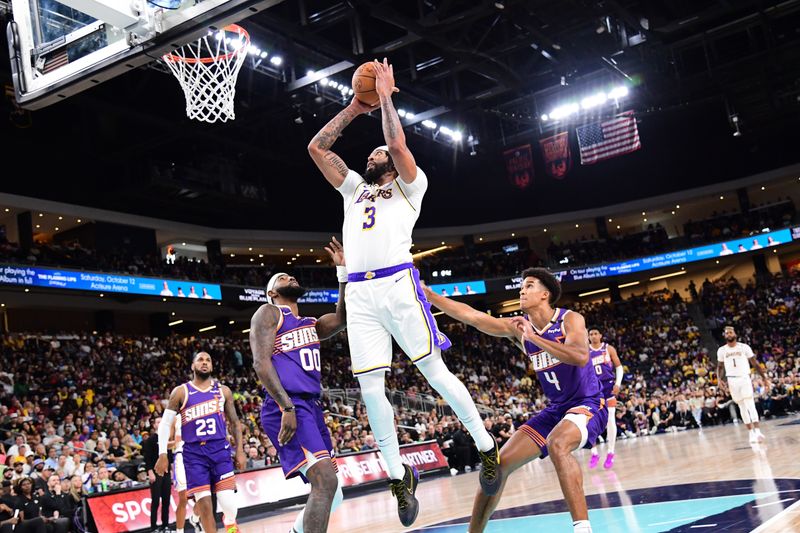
x: 61, y: 47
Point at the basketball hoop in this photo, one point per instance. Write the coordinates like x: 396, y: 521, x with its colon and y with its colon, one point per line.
x: 207, y: 71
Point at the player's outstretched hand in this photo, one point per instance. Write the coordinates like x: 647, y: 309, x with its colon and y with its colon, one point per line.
x: 161, y: 465
x: 360, y: 107
x: 615, y: 390
x: 336, y: 251
x: 427, y: 290
x: 524, y: 328
x: 384, y: 78
x: 288, y: 427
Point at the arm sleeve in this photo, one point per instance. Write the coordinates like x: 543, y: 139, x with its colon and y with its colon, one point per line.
x: 618, y: 377
x: 349, y: 185
x: 167, y: 420
x: 415, y: 190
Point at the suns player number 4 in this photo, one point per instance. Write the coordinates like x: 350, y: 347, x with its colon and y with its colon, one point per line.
x: 310, y: 359
x: 552, y: 377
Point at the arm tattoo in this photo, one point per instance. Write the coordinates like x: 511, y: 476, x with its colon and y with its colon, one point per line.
x: 336, y: 162
x: 263, y: 327
x: 328, y: 135
x: 390, y: 120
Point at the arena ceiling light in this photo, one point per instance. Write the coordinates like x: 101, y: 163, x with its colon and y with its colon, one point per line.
x: 598, y: 291
x: 586, y: 103
x: 175, y: 322
x: 631, y: 284
x: 207, y: 328
x: 429, y: 252
x: 679, y: 273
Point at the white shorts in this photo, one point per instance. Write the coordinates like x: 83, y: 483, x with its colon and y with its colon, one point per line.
x: 381, y: 308
x: 741, y: 388
x: 180, y: 473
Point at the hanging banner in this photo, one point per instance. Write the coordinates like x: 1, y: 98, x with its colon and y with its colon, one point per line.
x: 519, y: 166
x: 556, y: 155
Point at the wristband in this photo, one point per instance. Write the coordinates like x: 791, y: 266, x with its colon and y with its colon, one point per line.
x: 289, y: 409
x: 341, y: 273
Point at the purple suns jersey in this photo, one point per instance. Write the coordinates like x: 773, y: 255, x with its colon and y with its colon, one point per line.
x: 203, y: 414
x: 296, y: 353
x: 560, y: 382
x: 603, y: 366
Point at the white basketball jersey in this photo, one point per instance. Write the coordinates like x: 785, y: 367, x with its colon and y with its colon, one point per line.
x: 378, y: 221
x: 736, y: 359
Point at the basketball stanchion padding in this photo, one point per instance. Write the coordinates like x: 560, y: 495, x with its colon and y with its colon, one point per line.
x: 207, y: 70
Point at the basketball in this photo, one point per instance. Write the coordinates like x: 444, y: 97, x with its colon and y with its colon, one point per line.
x: 364, y: 84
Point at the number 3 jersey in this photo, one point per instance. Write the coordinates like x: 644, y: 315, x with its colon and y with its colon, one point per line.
x: 203, y: 414
x: 378, y: 221
x: 296, y: 353
x: 560, y: 382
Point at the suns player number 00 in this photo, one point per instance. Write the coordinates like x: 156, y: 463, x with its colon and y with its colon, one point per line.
x: 310, y: 359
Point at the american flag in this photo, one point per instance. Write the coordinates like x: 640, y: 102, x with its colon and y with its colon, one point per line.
x: 604, y: 140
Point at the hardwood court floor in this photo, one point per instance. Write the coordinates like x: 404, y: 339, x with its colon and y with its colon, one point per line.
x: 683, y: 481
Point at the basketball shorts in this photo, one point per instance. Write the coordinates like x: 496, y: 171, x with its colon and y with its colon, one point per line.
x: 179, y: 472
x: 538, y: 428
x: 608, y: 393
x: 311, y: 442
x: 208, y: 466
x: 390, y: 306
x: 741, y: 387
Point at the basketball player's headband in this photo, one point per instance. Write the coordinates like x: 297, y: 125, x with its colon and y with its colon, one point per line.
x: 271, y: 284
x: 384, y: 148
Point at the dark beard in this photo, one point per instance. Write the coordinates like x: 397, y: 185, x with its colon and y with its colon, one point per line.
x: 291, y: 292
x: 202, y: 375
x: 372, y: 175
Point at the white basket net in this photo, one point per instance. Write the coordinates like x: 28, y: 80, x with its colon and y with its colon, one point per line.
x: 207, y: 71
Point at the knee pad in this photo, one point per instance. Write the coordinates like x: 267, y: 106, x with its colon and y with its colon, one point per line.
x: 226, y: 501
x: 580, y: 421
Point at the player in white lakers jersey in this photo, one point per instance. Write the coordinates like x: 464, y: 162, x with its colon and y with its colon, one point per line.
x: 733, y: 363
x: 383, y: 296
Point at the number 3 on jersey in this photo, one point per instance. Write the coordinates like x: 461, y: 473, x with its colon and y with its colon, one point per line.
x: 552, y: 377
x: 370, y: 214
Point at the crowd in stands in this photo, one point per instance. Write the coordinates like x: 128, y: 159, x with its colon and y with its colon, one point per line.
x: 460, y: 265
x: 719, y: 226
x: 591, y: 250
x: 75, y: 408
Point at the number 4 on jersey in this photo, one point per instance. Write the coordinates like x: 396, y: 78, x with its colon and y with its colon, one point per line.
x: 552, y: 377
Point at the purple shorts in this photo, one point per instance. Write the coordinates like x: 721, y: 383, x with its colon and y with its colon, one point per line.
x: 312, y: 435
x: 208, y: 465
x: 607, y: 390
x: 539, y: 427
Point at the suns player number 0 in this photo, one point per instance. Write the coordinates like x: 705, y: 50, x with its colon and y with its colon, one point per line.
x: 552, y: 377
x: 310, y: 359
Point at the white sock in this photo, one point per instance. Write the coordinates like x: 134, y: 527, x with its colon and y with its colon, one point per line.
x: 457, y: 396
x: 381, y: 420
x: 594, y: 451
x: 611, y: 429
x: 581, y: 526
x: 179, y: 530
